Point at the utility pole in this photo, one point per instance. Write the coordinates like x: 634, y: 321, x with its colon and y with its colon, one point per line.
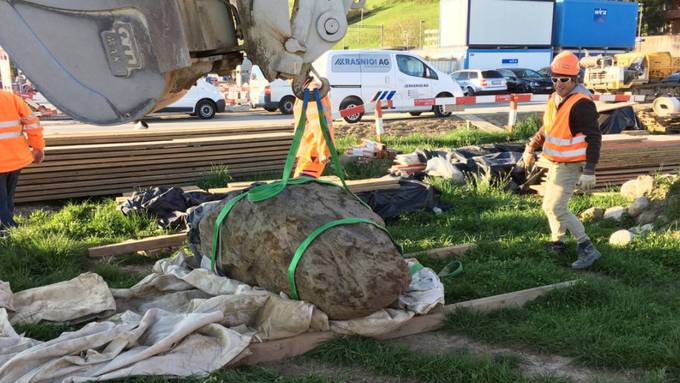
x: 420, y: 33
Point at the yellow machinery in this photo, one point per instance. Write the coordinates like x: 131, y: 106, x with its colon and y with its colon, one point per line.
x: 640, y: 72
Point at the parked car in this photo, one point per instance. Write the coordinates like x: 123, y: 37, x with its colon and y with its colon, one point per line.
x: 476, y: 81
x: 202, y: 100
x: 271, y: 96
x: 522, y: 80
x: 361, y: 77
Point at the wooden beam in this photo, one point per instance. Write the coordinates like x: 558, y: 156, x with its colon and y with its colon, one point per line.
x: 445, y: 252
x: 153, y: 243
x: 298, y: 345
x: 482, y: 124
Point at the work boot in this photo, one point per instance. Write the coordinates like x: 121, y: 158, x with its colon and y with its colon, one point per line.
x: 556, y: 246
x: 587, y: 255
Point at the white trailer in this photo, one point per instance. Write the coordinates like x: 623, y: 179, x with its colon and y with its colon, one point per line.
x: 495, y: 23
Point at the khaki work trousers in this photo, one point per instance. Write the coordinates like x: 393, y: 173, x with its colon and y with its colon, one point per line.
x: 562, y: 179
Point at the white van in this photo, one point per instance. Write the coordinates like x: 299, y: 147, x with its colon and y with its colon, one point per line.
x: 271, y: 96
x: 203, y: 100
x: 361, y: 77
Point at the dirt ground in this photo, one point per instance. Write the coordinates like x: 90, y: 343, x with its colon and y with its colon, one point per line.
x: 533, y: 364
x: 405, y: 126
x: 401, y: 127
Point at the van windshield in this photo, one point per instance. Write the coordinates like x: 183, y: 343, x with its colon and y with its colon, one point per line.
x: 491, y: 74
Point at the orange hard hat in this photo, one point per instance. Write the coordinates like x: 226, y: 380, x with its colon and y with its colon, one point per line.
x: 565, y: 63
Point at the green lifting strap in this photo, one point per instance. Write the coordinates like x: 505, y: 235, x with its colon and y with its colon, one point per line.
x: 308, y: 241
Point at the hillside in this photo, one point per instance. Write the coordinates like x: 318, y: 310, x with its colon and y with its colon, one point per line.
x: 392, y: 23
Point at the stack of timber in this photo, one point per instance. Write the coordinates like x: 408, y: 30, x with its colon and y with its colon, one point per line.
x: 624, y: 157
x: 108, y: 164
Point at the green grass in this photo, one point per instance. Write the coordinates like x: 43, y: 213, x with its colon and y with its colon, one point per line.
x: 397, y: 361
x: 624, y: 315
x: 51, y: 247
x: 401, y: 21
x: 217, y: 177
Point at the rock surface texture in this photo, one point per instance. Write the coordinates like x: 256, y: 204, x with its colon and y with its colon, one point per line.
x: 349, y: 271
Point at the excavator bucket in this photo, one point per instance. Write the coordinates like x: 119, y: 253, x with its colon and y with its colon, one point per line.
x: 112, y: 61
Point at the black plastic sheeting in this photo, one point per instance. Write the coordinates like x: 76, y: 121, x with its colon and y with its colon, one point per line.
x: 618, y: 120
x: 412, y: 196
x: 168, y: 204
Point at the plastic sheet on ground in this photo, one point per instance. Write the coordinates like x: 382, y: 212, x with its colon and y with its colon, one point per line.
x: 168, y: 204
x: 618, y: 120
x: 77, y: 300
x: 157, y: 343
x: 411, y: 196
x: 6, y: 296
x: 177, y: 322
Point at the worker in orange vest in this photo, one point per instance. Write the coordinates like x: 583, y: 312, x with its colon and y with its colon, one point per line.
x: 570, y: 139
x: 313, y: 154
x: 21, y: 144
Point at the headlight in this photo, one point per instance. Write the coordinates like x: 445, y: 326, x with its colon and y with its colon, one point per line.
x: 534, y: 83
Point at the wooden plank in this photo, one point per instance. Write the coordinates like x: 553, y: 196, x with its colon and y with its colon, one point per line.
x: 60, y: 139
x: 445, y: 252
x: 181, y: 142
x: 198, y: 166
x: 153, y: 243
x: 54, y: 165
x: 483, y: 124
x: 290, y: 347
x: 103, y: 190
x: 286, y: 141
x: 355, y: 186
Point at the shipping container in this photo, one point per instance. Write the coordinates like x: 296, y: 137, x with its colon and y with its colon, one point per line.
x: 496, y: 23
x: 595, y: 24
x: 508, y: 58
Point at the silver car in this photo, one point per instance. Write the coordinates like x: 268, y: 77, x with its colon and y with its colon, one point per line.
x: 477, y: 81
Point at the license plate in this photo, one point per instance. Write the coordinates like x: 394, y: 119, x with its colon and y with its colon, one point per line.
x: 496, y: 82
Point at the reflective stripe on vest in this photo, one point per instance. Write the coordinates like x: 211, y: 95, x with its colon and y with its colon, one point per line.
x: 7, y: 136
x: 560, y: 145
x: 9, y: 124
x: 31, y: 126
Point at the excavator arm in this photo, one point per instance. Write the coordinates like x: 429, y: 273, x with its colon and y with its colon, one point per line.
x: 113, y: 61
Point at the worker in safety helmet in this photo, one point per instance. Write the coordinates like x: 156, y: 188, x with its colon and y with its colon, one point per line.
x: 21, y: 144
x: 570, y: 139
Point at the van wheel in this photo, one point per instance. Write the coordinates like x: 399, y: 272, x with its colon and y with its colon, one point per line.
x: 439, y: 109
x: 415, y: 114
x: 287, y: 104
x: 351, y: 102
x: 205, y: 109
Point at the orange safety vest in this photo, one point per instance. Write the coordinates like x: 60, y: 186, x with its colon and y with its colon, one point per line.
x: 560, y: 145
x: 20, y: 131
x: 313, y: 154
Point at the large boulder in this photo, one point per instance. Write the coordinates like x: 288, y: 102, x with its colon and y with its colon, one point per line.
x: 349, y: 271
x: 641, y: 186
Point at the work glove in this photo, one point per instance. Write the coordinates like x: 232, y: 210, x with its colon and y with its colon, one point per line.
x: 586, y: 181
x: 38, y: 156
x: 529, y: 159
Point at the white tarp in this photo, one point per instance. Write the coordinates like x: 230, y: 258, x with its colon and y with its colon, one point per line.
x: 175, y: 322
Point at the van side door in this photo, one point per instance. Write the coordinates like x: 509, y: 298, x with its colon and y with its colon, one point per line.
x: 413, y: 82
x: 376, y: 79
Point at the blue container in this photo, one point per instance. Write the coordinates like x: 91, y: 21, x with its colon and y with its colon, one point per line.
x: 595, y: 24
